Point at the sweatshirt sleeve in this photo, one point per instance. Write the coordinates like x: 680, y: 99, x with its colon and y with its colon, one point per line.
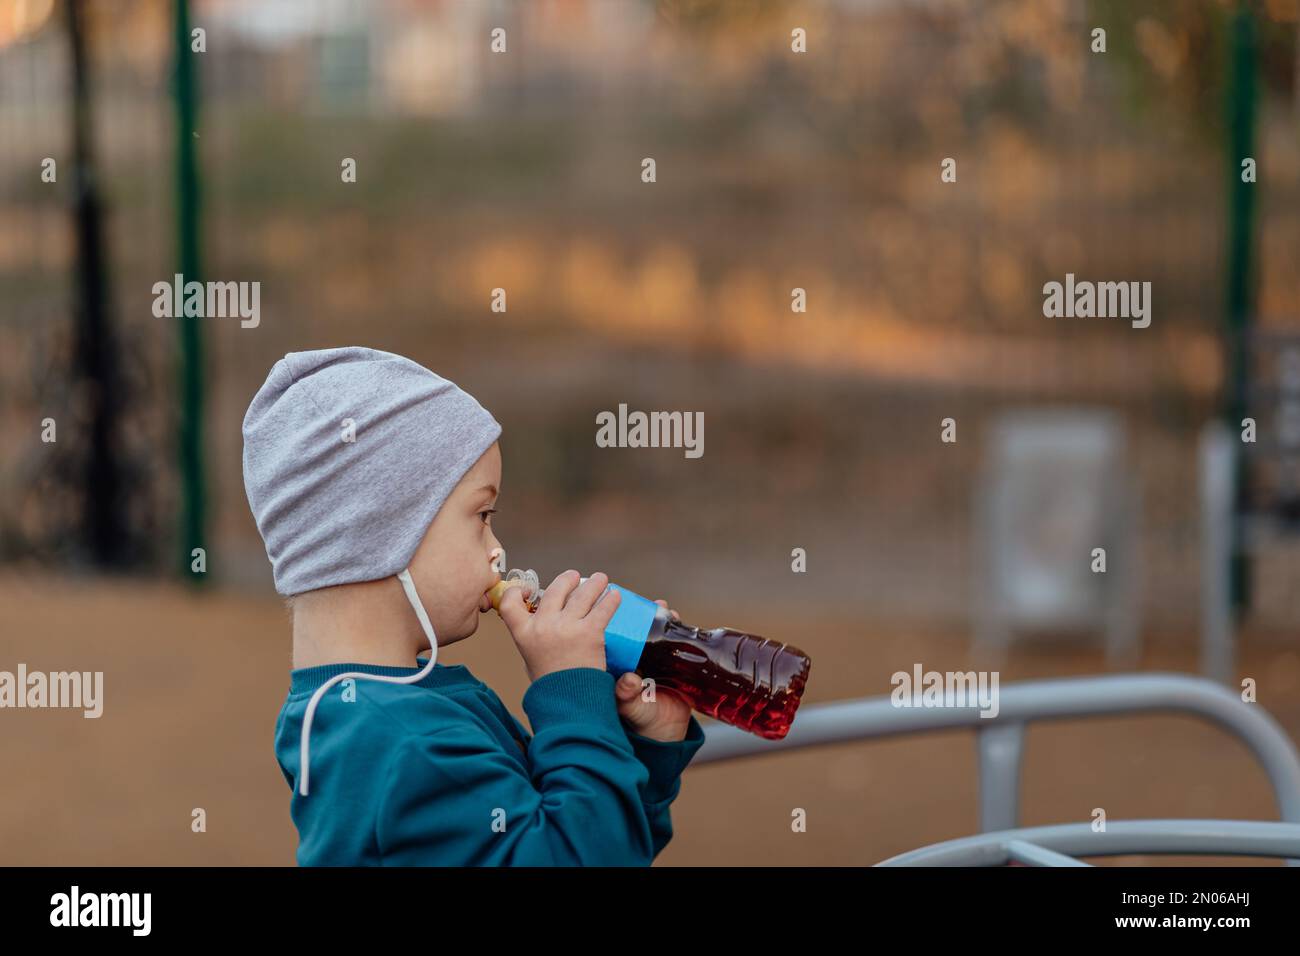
x: 665, y: 761
x: 453, y: 797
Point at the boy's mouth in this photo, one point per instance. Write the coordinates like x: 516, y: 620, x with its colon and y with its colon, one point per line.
x: 485, y: 599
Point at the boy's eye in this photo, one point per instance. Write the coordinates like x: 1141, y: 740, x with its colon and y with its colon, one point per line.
x: 486, y: 515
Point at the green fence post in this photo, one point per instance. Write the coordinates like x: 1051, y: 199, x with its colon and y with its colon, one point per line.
x: 1241, y: 97
x: 190, y: 371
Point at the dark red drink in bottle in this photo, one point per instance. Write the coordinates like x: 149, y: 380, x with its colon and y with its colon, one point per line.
x: 740, y: 679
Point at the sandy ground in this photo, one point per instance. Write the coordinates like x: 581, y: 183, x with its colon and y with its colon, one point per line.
x: 193, y: 685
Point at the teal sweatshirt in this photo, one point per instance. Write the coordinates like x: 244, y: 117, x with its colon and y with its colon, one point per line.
x: 438, y: 772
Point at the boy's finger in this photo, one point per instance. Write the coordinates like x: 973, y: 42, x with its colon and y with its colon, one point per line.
x: 512, y: 609
x: 554, y: 596
x: 627, y: 685
x: 664, y: 604
x: 581, y: 600
x: 605, y: 607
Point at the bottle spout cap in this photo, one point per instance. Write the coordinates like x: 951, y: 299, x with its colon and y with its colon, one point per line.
x: 516, y: 578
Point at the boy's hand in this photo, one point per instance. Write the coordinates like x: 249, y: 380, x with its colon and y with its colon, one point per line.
x: 665, y: 718
x: 568, y: 629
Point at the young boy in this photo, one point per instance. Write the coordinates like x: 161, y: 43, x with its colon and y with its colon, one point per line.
x: 373, y: 481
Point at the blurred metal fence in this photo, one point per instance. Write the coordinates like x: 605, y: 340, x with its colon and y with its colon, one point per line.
x: 1000, y: 738
x: 475, y: 171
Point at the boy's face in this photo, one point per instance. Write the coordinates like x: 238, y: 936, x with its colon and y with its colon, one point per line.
x: 452, y: 568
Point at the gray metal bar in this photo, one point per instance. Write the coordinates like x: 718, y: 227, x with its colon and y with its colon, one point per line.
x: 1022, y: 851
x: 1037, y: 700
x: 1121, y: 837
x: 1000, y: 748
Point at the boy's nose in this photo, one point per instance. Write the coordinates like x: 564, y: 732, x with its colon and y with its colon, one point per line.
x: 497, y: 558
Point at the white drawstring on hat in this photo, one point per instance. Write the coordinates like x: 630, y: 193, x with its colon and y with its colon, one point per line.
x: 409, y: 587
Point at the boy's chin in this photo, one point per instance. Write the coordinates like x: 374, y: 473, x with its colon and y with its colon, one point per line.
x: 452, y: 635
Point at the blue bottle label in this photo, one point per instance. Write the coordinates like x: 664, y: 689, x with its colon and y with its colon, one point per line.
x: 627, y: 630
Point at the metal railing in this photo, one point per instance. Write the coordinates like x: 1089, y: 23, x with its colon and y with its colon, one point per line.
x: 1000, y: 740
x: 1058, y: 845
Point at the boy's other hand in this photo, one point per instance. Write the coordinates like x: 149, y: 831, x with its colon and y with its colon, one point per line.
x: 568, y: 629
x: 665, y: 718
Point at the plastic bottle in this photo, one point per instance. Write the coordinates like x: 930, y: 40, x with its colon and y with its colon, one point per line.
x: 740, y: 679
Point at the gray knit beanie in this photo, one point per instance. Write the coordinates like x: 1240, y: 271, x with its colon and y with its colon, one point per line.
x: 337, y: 511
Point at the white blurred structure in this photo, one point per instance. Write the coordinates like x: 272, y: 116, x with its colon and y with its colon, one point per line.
x: 1217, y: 457
x: 1053, y: 488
